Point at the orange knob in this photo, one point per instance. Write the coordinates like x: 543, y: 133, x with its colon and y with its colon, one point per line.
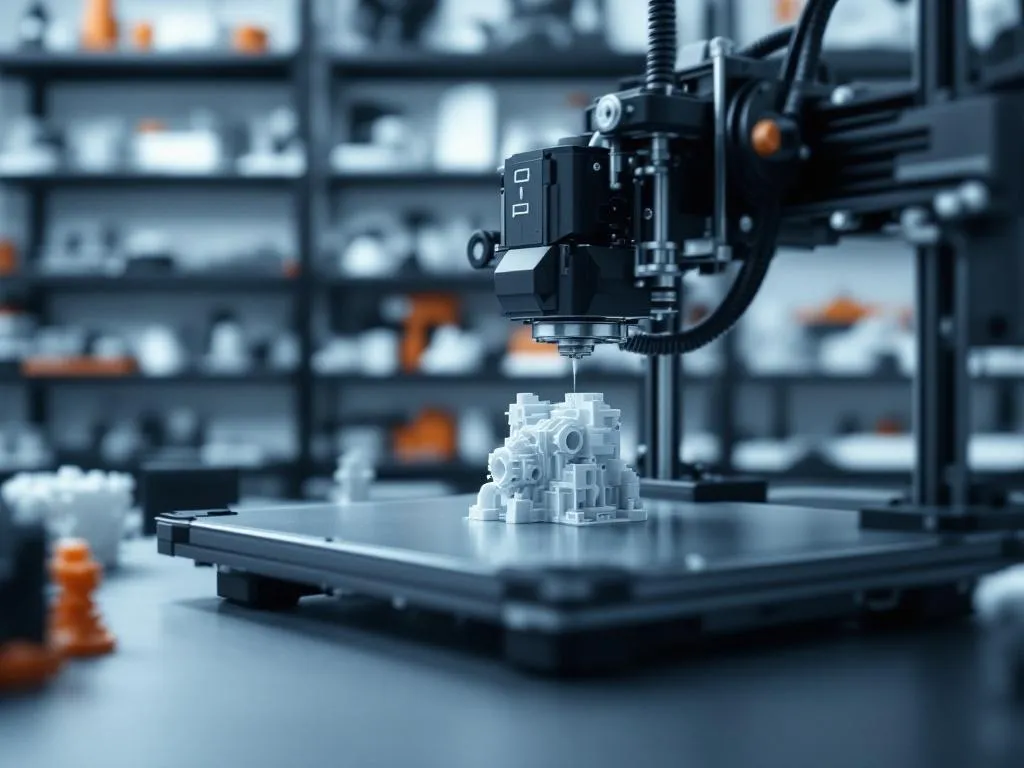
x: 766, y: 137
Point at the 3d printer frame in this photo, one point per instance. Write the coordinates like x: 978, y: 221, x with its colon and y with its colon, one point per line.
x: 943, y: 155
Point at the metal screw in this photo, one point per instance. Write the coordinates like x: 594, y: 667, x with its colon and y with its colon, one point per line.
x: 746, y: 224
x: 648, y: 214
x: 948, y: 205
x: 974, y: 195
x: 844, y: 94
x: 608, y: 113
x: 597, y: 166
x: 843, y: 221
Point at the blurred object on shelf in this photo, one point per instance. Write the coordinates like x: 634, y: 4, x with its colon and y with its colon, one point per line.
x: 227, y: 350
x: 8, y: 257
x: 890, y: 425
x: 34, y: 27
x: 186, y: 29
x: 378, y: 352
x: 370, y: 441
x: 97, y: 145
x: 839, y: 314
x: 874, y: 344
x: 23, y: 446
x: 380, y: 139
x: 160, y: 352
x: 386, y: 243
x: 770, y: 342
x: 997, y: 361
x: 149, y: 251
x: 367, y: 252
x: 232, y: 451
x: 608, y: 357
x: 477, y: 436
x: 548, y: 25
x: 121, y: 442
x: 100, y: 28
x: 425, y: 313
x: 283, y: 352
x: 71, y: 352
x: 336, y: 356
x: 395, y: 23
x: 769, y: 455
x: 787, y: 11
x: 143, y: 36
x: 873, y: 24
x: 999, y: 604
x: 196, y: 149
x: 435, y: 244
x: 456, y: 148
x: 353, y: 478
x: 991, y: 452
x: 522, y: 135
x: 526, y: 357
x: 452, y: 351
x: 275, y: 147
x: 30, y: 146
x: 699, y: 448
x: 250, y: 39
x: 95, y: 250
x: 430, y: 436
x: 17, y: 329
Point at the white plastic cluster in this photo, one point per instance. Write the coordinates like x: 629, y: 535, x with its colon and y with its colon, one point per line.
x: 560, y: 464
x: 353, y: 477
x: 90, y: 505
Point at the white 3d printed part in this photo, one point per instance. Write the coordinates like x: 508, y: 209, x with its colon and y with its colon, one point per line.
x: 560, y: 464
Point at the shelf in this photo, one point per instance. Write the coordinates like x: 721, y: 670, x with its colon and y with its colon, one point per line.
x: 460, y: 282
x: 169, y: 283
x: 426, y: 65
x: 84, y: 66
x: 259, y: 377
x: 590, y: 379
x: 419, y: 178
x: 93, y: 460
x: 122, y: 179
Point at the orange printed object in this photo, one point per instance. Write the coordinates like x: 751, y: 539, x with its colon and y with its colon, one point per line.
x: 250, y: 39
x: 78, y: 366
x: 841, y: 311
x: 150, y: 125
x: 77, y: 628
x: 426, y: 311
x: 787, y: 11
x: 142, y: 36
x: 8, y: 257
x: 100, y: 29
x: 27, y: 665
x: 431, y: 436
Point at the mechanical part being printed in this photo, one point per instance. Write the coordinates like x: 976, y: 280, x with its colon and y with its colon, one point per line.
x: 560, y: 464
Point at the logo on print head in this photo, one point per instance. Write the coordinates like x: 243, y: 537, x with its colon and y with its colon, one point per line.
x: 520, y: 177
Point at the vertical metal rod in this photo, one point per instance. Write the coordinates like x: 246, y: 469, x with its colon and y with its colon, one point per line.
x: 663, y: 412
x: 38, y: 206
x: 941, y: 386
x: 720, y: 47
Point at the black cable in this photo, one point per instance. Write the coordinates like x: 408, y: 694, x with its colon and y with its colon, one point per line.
x: 818, y: 12
x: 771, y: 43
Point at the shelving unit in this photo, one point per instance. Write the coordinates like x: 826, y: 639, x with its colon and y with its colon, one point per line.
x: 315, y: 75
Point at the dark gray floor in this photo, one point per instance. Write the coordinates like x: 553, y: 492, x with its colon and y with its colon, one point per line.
x: 198, y: 683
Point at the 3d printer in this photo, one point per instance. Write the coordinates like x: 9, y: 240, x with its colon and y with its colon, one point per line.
x: 705, y: 163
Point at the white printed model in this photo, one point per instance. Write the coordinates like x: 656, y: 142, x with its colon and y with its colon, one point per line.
x: 90, y: 505
x: 353, y: 478
x: 560, y: 464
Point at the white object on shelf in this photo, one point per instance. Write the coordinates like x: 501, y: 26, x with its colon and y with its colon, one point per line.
x: 766, y: 455
x: 883, y: 453
x: 378, y: 352
x: 860, y: 350
x: 159, y: 352
x: 467, y: 129
x: 560, y: 464
x: 338, y: 355
x: 183, y: 30
x: 452, y: 351
x: 232, y: 453
x: 90, y: 505
x: 476, y: 435
x: 353, y: 478
x: 699, y: 448
x: 367, y: 256
x: 178, y: 152
x: 290, y: 163
x: 529, y: 364
x: 772, y: 342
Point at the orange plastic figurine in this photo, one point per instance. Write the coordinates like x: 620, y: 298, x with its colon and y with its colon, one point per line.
x: 77, y: 629
x: 26, y: 665
x: 100, y: 29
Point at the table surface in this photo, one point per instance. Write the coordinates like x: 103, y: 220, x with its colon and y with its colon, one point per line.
x: 199, y: 682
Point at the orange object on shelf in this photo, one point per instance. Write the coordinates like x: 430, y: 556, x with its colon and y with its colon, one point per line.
x: 100, y: 30
x: 291, y: 268
x: 431, y: 436
x: 78, y: 366
x: 77, y: 628
x: 889, y: 426
x: 787, y: 11
x: 426, y: 312
x: 150, y: 125
x: 8, y: 257
x: 26, y: 665
x: 841, y: 311
x: 251, y: 39
x: 521, y: 342
x: 142, y: 36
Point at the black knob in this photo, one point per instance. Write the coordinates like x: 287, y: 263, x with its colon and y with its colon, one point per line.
x: 480, y: 249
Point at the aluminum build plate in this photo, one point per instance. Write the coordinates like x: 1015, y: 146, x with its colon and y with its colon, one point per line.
x: 685, y: 557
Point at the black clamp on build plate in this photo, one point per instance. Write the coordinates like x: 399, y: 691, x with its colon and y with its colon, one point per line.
x: 706, y: 488
x: 902, y: 516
